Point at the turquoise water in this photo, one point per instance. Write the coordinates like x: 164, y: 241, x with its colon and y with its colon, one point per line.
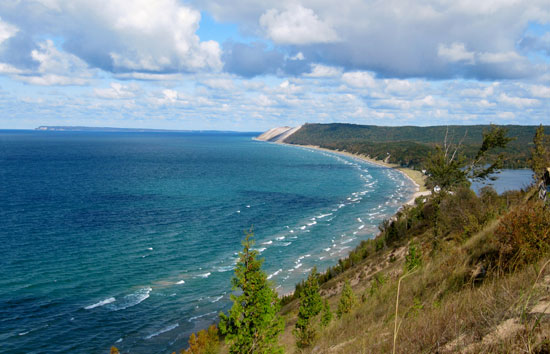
x: 129, y: 239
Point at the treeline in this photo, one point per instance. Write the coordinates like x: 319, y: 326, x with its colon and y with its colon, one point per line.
x: 408, y: 146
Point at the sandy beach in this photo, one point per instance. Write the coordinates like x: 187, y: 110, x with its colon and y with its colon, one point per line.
x: 416, y: 177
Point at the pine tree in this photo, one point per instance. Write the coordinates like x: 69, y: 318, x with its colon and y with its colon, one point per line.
x: 326, y: 315
x: 310, y: 306
x: 540, y: 156
x: 347, y: 300
x: 252, y: 325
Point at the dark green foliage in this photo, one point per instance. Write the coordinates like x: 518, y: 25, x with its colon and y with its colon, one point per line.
x: 310, y: 306
x: 253, y: 324
x: 347, y: 300
x: 326, y: 314
x: 409, y: 146
x: 540, y: 153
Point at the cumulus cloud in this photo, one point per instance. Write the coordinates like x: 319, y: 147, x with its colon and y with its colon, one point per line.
x: 56, y: 68
x: 455, y: 52
x: 401, y: 39
x: 296, y: 25
x: 117, y: 91
x: 6, y: 30
x: 360, y: 79
x: 120, y: 35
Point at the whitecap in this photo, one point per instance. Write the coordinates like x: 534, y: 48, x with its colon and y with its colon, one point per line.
x: 180, y: 282
x: 303, y: 227
x: 280, y: 238
x: 225, y: 268
x: 101, y: 303
x: 217, y: 299
x: 291, y: 231
x: 361, y: 227
x: 341, y: 206
x: 238, y: 211
x: 274, y: 274
x: 248, y: 206
x: 119, y: 340
x: 284, y: 244
x: 150, y: 248
x: 260, y: 250
x: 164, y: 330
x: 323, y: 215
x: 327, y: 249
x: 23, y: 333
x: 205, y: 275
x: 359, y: 219
x: 133, y: 299
x: 312, y: 223
x: 297, y: 265
x: 267, y: 242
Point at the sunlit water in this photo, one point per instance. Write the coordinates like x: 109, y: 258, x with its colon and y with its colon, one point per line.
x: 130, y: 239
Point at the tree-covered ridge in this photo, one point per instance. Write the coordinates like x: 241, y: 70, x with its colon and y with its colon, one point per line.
x: 410, y: 145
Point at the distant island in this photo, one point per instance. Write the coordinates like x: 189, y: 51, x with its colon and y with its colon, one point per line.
x: 128, y: 130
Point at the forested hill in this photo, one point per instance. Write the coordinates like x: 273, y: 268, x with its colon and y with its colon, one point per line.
x: 409, y: 145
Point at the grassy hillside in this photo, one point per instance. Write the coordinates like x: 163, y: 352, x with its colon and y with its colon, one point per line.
x: 408, y: 146
x: 472, y: 275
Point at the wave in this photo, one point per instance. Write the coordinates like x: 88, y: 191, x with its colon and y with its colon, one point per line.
x: 180, y: 282
x: 267, y: 242
x: 280, y: 238
x: 205, y: 275
x: 201, y: 316
x: 217, y: 299
x: 361, y: 227
x: 312, y: 223
x: 101, y: 303
x: 164, y: 330
x: 225, y: 269
x: 274, y: 274
x: 359, y: 219
x: 323, y: 215
x: 260, y: 250
x: 303, y: 227
x: 284, y: 244
x: 133, y: 299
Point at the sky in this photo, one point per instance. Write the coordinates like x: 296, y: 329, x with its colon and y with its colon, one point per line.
x: 252, y: 65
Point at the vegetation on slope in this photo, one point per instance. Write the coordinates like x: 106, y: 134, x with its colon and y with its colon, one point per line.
x: 408, y: 146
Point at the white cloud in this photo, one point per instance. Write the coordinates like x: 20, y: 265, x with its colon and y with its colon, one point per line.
x: 56, y: 68
x: 359, y: 79
x: 117, y: 91
x: 540, y: 91
x: 296, y: 25
x: 519, y: 102
x: 157, y: 36
x: 455, y: 52
x: 319, y: 70
x: 6, y: 31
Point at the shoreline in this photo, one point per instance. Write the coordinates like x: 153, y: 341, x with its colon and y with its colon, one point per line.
x: 416, y: 177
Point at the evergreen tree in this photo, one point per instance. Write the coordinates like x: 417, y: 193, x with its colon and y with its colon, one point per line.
x: 326, y: 315
x: 310, y: 306
x: 252, y: 325
x: 347, y: 300
x: 540, y: 155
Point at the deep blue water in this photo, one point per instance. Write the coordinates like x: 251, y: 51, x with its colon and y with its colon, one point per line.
x: 507, y: 180
x: 129, y: 239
